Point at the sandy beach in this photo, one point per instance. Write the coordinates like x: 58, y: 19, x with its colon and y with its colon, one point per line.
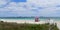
x: 24, y: 21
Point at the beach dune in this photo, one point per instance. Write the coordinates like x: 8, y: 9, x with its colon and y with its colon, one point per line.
x: 32, y: 22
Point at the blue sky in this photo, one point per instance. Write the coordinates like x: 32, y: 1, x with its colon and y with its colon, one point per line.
x: 18, y: 0
x: 14, y: 8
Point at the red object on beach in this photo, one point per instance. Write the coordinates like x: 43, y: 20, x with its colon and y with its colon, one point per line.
x: 36, y: 19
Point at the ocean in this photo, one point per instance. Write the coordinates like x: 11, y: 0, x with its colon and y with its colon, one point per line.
x: 31, y: 18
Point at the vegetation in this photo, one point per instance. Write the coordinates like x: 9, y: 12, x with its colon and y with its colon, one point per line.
x: 15, y: 26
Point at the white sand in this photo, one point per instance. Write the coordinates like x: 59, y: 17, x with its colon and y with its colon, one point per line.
x: 32, y: 22
x: 24, y: 21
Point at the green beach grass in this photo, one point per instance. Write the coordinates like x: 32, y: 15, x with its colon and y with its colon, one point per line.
x: 25, y: 26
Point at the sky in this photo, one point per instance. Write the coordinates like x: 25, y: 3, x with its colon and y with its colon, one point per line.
x: 16, y: 8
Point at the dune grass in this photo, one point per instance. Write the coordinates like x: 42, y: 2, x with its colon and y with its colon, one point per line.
x: 15, y: 26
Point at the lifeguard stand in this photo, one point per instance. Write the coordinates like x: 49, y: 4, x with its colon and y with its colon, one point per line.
x: 36, y: 19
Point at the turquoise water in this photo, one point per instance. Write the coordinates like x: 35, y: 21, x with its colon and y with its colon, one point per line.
x: 29, y: 18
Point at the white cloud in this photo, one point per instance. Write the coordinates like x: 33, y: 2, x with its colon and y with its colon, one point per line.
x: 31, y: 8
